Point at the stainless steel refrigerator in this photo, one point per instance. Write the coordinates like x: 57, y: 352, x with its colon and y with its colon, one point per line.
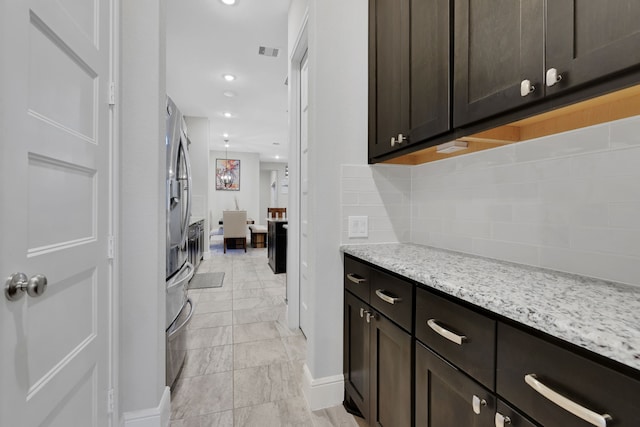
x: 179, y: 269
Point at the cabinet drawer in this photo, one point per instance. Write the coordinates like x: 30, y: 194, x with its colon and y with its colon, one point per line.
x: 356, y: 278
x: 530, y: 368
x: 458, y: 334
x: 393, y: 297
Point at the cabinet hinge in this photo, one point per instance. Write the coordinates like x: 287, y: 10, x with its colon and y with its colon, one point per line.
x: 112, y: 93
x: 111, y: 247
x: 110, y: 401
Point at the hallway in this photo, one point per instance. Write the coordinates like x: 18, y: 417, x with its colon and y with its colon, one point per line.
x: 244, y: 366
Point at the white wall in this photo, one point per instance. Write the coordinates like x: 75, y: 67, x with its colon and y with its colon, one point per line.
x: 198, y: 133
x: 337, y: 38
x: 568, y: 202
x: 142, y: 199
x: 249, y: 194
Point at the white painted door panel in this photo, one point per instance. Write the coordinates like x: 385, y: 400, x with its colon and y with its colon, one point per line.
x: 55, y: 211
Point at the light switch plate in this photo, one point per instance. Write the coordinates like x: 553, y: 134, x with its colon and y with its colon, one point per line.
x: 358, y: 226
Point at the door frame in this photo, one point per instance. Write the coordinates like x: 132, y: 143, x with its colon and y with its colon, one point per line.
x: 300, y: 47
x: 114, y: 217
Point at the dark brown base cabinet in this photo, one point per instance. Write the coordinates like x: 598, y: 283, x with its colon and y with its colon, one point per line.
x: 463, y: 364
x: 377, y: 364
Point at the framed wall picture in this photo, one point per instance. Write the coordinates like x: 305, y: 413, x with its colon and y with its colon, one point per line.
x: 228, y: 174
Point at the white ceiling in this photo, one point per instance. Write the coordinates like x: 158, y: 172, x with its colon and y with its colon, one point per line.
x: 206, y: 39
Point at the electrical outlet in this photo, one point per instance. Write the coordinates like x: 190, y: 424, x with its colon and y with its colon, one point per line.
x: 358, y: 226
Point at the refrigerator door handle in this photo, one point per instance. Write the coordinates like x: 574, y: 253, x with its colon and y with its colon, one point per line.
x: 187, y: 218
x: 182, y: 276
x: 185, y: 323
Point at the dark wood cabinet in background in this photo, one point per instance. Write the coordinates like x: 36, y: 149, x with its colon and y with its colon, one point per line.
x: 409, y: 49
x: 277, y: 245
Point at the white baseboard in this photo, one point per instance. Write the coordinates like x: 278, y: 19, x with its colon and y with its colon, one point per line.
x: 159, y: 416
x: 322, y: 392
x: 206, y: 255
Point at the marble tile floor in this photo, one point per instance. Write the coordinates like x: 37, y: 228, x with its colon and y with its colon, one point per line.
x: 244, y: 365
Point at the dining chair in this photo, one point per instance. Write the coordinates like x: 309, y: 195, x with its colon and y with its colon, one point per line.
x: 234, y: 226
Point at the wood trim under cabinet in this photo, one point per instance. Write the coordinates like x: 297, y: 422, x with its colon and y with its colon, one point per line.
x: 613, y: 106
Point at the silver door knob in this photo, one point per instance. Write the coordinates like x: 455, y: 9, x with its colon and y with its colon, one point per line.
x: 526, y: 87
x: 553, y: 77
x: 17, y: 284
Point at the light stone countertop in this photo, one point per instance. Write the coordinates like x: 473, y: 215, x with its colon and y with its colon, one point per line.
x: 601, y: 316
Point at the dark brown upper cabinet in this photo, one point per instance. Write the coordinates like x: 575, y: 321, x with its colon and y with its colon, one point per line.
x: 510, y: 53
x: 409, y: 73
x: 499, y: 50
x: 590, y: 40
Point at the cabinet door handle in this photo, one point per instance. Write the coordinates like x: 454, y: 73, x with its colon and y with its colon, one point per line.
x: 393, y: 141
x: 361, y: 312
x: 386, y: 297
x: 401, y: 138
x: 501, y: 420
x: 593, y: 418
x: 355, y: 278
x: 477, y: 404
x: 451, y: 336
x: 370, y: 316
x: 553, y: 77
x: 526, y: 87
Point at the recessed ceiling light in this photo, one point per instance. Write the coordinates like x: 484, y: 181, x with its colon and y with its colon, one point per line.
x: 229, y: 93
x: 229, y: 77
x: 225, y: 135
x: 226, y: 145
x: 277, y: 157
x: 227, y: 115
x: 229, y: 2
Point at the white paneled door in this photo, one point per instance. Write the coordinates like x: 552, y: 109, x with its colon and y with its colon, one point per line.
x: 55, y: 212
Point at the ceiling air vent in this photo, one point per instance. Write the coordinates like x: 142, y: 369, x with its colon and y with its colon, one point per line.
x: 268, y: 51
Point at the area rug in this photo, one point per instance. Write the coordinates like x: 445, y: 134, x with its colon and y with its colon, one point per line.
x: 207, y: 280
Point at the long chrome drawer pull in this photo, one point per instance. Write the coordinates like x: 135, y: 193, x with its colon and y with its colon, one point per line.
x: 355, y: 278
x: 453, y: 337
x: 387, y: 298
x: 569, y: 405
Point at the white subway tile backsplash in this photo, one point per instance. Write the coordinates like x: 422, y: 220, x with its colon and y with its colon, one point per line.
x: 625, y: 215
x: 618, y: 268
x: 607, y: 240
x: 587, y: 140
x: 569, y: 202
x: 624, y: 133
x: 507, y: 251
x: 486, y: 159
